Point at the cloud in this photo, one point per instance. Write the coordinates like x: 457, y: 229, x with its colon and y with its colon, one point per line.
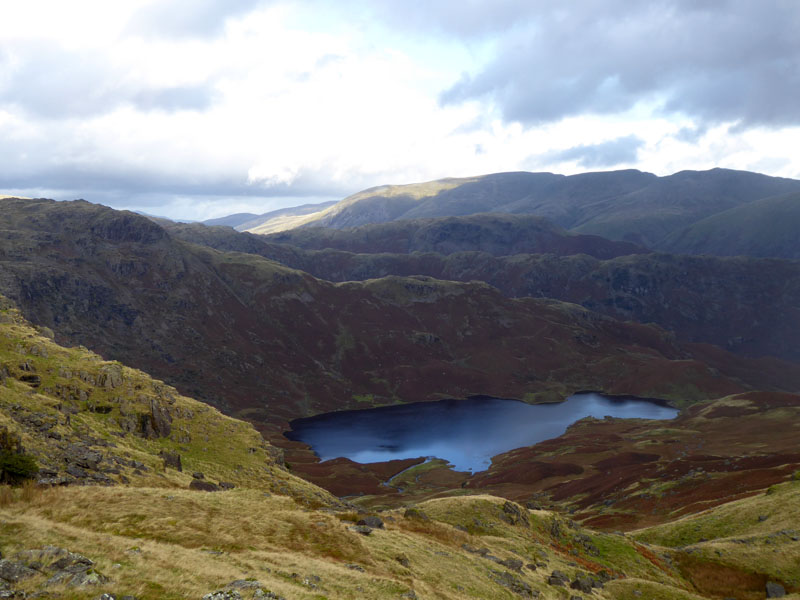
x: 48, y: 80
x: 728, y: 61
x: 188, y: 18
x: 623, y: 150
x: 691, y: 135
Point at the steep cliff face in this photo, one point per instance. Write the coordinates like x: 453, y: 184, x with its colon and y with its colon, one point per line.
x: 258, y: 339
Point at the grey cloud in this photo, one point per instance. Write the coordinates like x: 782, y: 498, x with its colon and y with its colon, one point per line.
x: 727, y: 61
x: 188, y: 18
x: 49, y: 81
x: 691, y: 135
x: 605, y: 154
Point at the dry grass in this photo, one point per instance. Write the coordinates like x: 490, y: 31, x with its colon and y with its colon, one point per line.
x: 161, y: 543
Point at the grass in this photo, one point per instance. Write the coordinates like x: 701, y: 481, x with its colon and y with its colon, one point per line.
x: 159, y: 543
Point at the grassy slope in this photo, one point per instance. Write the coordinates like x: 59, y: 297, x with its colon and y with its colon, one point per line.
x: 748, y: 541
x: 105, y: 401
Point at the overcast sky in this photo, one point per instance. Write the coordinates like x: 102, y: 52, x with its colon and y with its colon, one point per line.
x: 200, y: 108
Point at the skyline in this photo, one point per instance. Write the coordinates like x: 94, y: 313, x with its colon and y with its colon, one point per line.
x: 199, y: 109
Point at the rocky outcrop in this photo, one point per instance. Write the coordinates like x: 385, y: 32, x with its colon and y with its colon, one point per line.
x: 52, y: 566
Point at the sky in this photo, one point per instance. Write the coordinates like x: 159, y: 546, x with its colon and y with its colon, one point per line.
x: 194, y: 109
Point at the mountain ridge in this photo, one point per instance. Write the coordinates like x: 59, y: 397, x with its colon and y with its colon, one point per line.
x: 626, y: 205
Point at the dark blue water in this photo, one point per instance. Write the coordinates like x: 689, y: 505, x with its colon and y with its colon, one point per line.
x: 466, y: 433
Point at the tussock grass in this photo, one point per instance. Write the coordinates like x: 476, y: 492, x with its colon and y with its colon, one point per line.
x: 165, y: 543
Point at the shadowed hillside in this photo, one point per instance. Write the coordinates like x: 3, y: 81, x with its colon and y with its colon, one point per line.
x: 748, y: 306
x: 495, y: 234
x: 767, y: 227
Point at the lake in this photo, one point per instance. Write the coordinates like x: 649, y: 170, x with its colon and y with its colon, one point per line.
x: 466, y: 433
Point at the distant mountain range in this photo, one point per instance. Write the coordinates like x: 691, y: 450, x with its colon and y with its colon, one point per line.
x: 618, y: 205
x: 275, y: 220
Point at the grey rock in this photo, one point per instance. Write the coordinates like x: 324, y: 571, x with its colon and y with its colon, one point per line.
x: 514, y: 564
x: 371, y: 521
x: 13, y: 571
x: 362, y: 529
x: 223, y: 595
x: 203, y: 486
x: 557, y: 578
x: 515, y: 584
x: 171, y: 459
x: 775, y: 590
x: 583, y: 584
x: 514, y: 514
x: 244, y: 584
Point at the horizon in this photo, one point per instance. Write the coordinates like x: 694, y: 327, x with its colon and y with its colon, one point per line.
x: 223, y: 214
x: 197, y: 110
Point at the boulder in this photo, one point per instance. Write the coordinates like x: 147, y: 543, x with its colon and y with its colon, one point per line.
x: 13, y: 571
x: 362, y: 529
x: 513, y: 514
x: 171, y: 459
x: 203, y: 486
x: 558, y: 578
x: 371, y: 521
x: 775, y: 590
x: 223, y: 595
x: 582, y: 584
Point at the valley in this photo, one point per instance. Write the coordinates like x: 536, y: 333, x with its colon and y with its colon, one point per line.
x: 145, y: 361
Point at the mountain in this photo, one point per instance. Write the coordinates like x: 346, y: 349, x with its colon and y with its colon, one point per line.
x: 269, y: 343
x: 496, y: 234
x: 619, y: 205
x: 766, y: 227
x: 275, y: 220
x: 748, y: 306
x: 231, y: 220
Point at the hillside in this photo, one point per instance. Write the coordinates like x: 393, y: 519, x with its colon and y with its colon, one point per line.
x: 114, y: 515
x: 90, y: 421
x: 619, y: 205
x: 265, y: 342
x: 495, y: 234
x: 766, y: 227
x: 274, y: 220
x: 747, y: 306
